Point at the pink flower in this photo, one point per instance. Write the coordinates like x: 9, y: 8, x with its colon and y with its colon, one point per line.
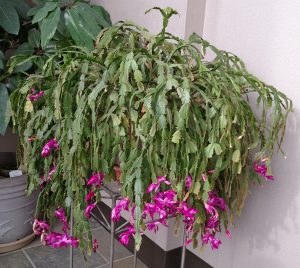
x: 124, y: 237
x: 262, y: 170
x: 95, y: 245
x: 96, y: 179
x: 89, y: 196
x: 34, y: 97
x: 60, y: 214
x: 89, y: 209
x: 203, y: 176
x: 150, y: 209
x: 189, y: 215
x: 39, y: 227
x: 215, y: 201
x: 48, y: 147
x: 211, y: 171
x: 165, y: 199
x: 188, y: 182
x: 49, y: 177
x: 122, y: 205
x: 51, y: 172
x: 213, y: 222
x: 153, y: 226
x: 209, y: 238
x: 57, y: 240
x: 189, y: 241
x: 155, y: 186
x: 228, y: 234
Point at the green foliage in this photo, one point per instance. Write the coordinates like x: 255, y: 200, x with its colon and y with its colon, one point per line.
x: 44, y: 28
x: 156, y: 105
x: 76, y: 19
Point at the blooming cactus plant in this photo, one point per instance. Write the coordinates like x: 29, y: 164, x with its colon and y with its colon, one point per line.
x: 181, y: 127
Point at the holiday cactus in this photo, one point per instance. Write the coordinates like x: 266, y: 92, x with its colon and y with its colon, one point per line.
x: 179, y: 125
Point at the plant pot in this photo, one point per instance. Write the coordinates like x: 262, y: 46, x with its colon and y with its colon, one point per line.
x: 16, y: 212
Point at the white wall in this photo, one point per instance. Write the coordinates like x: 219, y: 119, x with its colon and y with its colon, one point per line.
x: 134, y: 10
x: 266, y: 35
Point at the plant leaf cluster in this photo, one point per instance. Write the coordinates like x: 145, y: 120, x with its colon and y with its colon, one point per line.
x: 35, y: 33
x: 157, y: 106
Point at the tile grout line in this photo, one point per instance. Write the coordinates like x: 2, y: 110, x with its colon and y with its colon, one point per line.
x: 101, y: 255
x: 28, y: 258
x: 123, y: 258
x: 11, y: 252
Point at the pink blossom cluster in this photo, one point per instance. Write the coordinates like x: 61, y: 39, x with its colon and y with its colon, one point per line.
x: 95, y: 182
x: 164, y: 205
x: 35, y: 97
x: 49, y: 177
x: 54, y: 239
x: 212, y: 223
x: 262, y: 170
x: 48, y: 147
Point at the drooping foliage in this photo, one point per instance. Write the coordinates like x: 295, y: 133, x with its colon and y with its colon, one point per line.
x: 35, y: 33
x: 156, y: 106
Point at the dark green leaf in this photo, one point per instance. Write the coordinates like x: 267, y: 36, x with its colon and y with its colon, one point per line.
x: 43, y: 11
x: 9, y: 19
x: 49, y: 26
x: 22, y: 7
x: 34, y: 38
x: 25, y: 49
x: 5, y: 109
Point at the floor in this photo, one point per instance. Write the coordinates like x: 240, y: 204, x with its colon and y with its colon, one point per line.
x: 37, y: 256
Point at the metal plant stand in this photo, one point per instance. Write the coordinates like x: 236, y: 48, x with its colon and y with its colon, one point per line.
x: 114, y: 193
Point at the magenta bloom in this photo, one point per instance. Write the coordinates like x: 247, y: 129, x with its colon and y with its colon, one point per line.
x: 215, y: 201
x: 60, y: 214
x: 89, y: 209
x: 213, y: 222
x: 262, y: 170
x: 209, y: 238
x: 150, y: 209
x: 122, y: 205
x: 57, y: 240
x: 39, y: 227
x: 189, y: 215
x: 51, y: 172
x: 89, y: 196
x: 34, y: 97
x: 96, y: 179
x: 95, y: 245
x: 153, y: 226
x: 188, y: 182
x: 48, y: 147
x: 155, y: 186
x: 228, y: 234
x: 124, y: 237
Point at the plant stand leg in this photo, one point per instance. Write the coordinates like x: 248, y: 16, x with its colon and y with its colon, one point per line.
x: 71, y: 233
x: 112, y: 236
x: 183, y: 253
x: 134, y: 257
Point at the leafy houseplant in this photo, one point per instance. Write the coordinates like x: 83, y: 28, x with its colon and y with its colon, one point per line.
x: 35, y: 33
x: 29, y: 37
x: 171, y: 118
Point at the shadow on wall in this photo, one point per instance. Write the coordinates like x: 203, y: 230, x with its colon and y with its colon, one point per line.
x: 272, y: 209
